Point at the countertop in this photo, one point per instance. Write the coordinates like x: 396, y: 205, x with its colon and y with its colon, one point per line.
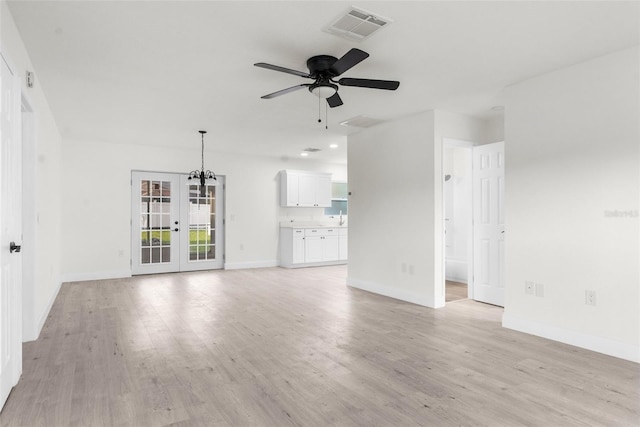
x: 309, y: 225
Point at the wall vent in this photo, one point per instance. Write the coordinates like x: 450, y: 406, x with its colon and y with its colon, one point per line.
x: 357, y: 24
x: 311, y: 150
x: 361, y: 122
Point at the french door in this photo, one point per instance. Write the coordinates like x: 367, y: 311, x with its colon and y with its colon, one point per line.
x: 175, y: 226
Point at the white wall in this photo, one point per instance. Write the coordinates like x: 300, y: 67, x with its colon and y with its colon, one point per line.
x: 41, y: 244
x: 395, y: 210
x: 494, y: 129
x: 572, y: 158
x: 97, y: 203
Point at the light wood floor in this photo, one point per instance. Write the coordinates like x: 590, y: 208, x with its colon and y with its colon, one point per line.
x: 277, y: 347
x: 455, y: 291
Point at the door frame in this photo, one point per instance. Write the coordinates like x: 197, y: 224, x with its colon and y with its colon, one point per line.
x: 458, y: 143
x: 182, y: 195
x: 29, y: 218
x: 453, y: 142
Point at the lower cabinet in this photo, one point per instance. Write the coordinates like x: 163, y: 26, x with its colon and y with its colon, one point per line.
x: 301, y: 247
x: 298, y: 246
x: 343, y: 245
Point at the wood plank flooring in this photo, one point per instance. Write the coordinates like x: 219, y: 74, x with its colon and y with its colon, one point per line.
x: 455, y: 291
x: 279, y: 347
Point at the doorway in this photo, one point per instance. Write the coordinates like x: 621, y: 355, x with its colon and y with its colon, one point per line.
x: 176, y: 225
x: 473, y: 211
x: 458, y: 210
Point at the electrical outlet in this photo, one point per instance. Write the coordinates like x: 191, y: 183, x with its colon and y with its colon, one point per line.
x: 590, y: 297
x: 529, y: 288
x: 539, y: 290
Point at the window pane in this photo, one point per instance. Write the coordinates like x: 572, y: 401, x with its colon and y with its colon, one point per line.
x: 145, y: 256
x: 336, y: 207
x: 211, y: 252
x: 155, y: 255
x: 338, y: 190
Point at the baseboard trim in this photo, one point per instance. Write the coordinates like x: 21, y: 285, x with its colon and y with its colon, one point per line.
x: 391, y: 292
x: 45, y: 314
x: 250, y: 264
x: 590, y: 342
x: 95, y: 275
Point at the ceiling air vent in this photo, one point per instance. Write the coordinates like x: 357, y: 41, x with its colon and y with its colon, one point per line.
x: 357, y: 24
x: 311, y: 150
x: 362, y: 122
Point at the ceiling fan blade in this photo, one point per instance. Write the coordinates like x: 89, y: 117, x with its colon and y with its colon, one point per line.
x: 373, y: 84
x: 281, y: 69
x: 350, y: 59
x: 284, y: 91
x: 334, y: 100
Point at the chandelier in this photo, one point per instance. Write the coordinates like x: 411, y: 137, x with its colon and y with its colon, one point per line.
x: 201, y: 174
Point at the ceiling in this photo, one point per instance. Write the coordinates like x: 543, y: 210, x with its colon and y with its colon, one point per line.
x: 155, y: 72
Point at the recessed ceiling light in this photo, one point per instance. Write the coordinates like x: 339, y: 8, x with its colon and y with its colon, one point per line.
x: 333, y: 145
x: 304, y: 154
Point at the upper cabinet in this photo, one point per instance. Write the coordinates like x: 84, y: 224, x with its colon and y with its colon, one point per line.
x: 305, y: 189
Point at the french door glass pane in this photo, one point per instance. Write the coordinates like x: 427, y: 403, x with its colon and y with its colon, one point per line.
x: 202, y: 223
x: 155, y: 222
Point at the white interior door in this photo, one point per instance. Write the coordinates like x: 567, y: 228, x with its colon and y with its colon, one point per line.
x: 202, y: 225
x: 488, y: 223
x: 10, y: 233
x: 155, y: 216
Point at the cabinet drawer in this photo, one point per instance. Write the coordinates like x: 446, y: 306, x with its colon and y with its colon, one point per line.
x: 314, y: 232
x: 343, y: 231
x: 298, y: 232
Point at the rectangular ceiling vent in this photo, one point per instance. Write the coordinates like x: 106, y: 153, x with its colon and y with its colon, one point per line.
x: 362, y: 122
x: 357, y: 24
x: 311, y: 150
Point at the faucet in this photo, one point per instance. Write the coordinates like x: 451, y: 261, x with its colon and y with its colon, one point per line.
x: 341, y: 219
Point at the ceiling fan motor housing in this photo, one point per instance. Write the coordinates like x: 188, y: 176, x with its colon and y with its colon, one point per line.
x: 320, y: 66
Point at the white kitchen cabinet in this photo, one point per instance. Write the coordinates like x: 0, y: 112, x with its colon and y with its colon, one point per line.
x: 343, y: 244
x: 305, y: 189
x: 313, y: 248
x: 321, y: 245
x: 323, y: 190
x: 298, y: 246
x: 303, y: 247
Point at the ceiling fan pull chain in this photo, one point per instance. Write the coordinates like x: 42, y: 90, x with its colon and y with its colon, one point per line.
x: 319, y: 119
x: 326, y: 116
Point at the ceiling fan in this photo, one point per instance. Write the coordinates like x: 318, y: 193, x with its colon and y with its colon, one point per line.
x: 323, y: 69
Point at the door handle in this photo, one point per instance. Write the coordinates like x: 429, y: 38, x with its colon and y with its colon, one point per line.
x: 14, y: 248
x: 175, y: 229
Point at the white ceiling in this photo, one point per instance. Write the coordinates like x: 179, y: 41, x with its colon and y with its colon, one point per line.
x: 155, y: 72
